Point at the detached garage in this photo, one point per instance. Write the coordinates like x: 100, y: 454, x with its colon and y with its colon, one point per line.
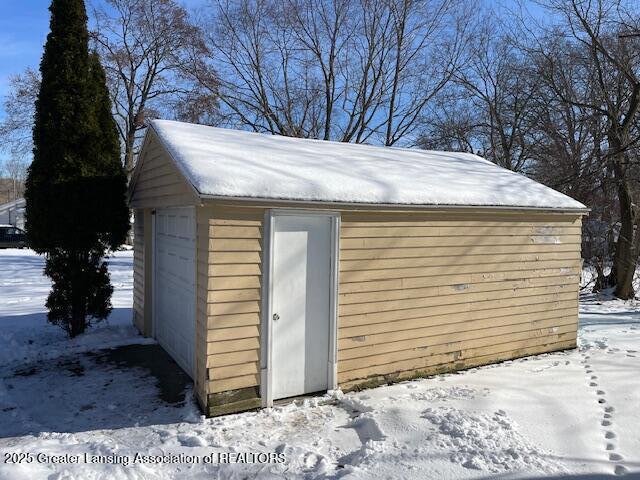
x: 273, y: 267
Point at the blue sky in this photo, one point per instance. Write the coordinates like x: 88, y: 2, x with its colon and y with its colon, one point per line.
x: 23, y: 31
x: 24, y: 25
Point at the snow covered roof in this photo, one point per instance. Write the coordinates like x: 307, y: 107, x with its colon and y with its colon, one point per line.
x: 237, y: 164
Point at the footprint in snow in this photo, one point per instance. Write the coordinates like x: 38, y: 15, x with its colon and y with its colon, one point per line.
x: 620, y: 470
x: 607, y: 420
x: 191, y: 441
x: 164, y: 433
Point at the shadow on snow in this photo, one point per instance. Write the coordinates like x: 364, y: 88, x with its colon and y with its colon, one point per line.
x: 127, y: 386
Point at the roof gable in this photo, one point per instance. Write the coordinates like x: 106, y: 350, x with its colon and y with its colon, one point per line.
x: 157, y: 180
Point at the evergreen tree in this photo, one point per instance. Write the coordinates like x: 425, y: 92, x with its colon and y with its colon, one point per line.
x: 76, y: 185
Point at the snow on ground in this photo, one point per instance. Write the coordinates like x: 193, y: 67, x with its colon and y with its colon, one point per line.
x: 25, y: 334
x: 562, y: 415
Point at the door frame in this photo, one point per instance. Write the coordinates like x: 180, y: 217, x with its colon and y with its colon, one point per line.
x: 266, y: 323
x: 154, y: 275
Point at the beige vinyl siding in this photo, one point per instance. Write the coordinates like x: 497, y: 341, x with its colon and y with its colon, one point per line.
x: 138, y: 270
x: 142, y: 271
x: 157, y: 181
x: 427, y: 292
x: 419, y: 293
x: 232, y: 275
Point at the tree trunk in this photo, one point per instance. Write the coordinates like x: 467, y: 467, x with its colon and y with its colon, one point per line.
x: 129, y: 151
x: 601, y: 279
x: 78, y: 321
x: 625, y: 258
x: 78, y: 296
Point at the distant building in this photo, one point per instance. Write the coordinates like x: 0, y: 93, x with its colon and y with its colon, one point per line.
x: 12, y: 213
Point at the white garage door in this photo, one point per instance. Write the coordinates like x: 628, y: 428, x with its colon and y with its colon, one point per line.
x: 174, y: 292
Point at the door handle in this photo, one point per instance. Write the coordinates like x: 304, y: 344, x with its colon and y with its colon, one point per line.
x: 276, y: 317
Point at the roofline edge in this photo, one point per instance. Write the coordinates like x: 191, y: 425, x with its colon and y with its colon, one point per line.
x: 393, y: 206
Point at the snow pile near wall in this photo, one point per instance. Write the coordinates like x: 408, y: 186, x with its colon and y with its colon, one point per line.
x: 232, y: 163
x: 488, y: 442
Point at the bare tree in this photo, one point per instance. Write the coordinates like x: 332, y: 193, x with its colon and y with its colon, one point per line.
x: 143, y: 45
x: 610, y: 63
x: 492, y: 96
x: 16, y: 171
x: 451, y: 123
x: 353, y: 71
x: 423, y: 62
x: 16, y: 127
x: 570, y: 155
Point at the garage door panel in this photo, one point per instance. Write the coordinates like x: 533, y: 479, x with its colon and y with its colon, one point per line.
x: 175, y: 284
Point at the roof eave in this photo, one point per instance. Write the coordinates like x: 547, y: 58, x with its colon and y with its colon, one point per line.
x: 254, y: 201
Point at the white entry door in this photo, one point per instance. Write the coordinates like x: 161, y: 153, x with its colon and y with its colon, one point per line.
x: 174, y: 289
x: 301, y: 303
